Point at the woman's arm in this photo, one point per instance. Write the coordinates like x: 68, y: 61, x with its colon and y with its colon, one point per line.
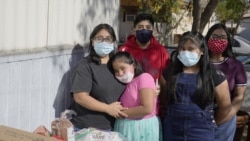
x: 222, y: 96
x: 146, y: 107
x: 239, y: 93
x: 87, y: 101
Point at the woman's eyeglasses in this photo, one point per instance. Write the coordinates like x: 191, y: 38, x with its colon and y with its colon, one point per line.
x: 100, y: 39
x: 215, y: 36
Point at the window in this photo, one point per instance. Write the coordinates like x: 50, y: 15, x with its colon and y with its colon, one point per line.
x: 130, y: 17
x: 235, y: 43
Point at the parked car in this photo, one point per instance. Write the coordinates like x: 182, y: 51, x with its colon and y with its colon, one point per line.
x: 245, y: 59
x: 241, y: 46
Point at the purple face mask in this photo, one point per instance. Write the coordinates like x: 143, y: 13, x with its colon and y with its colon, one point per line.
x: 144, y: 35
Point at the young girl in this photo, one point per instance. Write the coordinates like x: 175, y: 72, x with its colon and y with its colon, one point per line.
x: 139, y: 98
x: 221, y: 55
x: 192, y: 85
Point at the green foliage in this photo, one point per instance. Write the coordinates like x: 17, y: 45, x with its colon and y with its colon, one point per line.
x: 220, y: 12
x: 231, y: 10
x: 162, y: 11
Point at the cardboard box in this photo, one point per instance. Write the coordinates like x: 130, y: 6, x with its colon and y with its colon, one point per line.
x: 12, y: 134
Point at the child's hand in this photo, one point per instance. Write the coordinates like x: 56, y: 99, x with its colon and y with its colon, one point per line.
x: 158, y: 88
x: 115, y: 110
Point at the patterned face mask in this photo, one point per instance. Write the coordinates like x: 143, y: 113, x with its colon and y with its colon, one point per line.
x: 217, y: 46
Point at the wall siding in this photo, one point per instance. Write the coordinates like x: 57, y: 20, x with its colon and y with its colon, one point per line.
x: 36, y: 90
x: 40, y: 43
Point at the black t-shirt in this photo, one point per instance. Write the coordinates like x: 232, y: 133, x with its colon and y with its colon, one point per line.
x: 101, y: 84
x: 218, y: 76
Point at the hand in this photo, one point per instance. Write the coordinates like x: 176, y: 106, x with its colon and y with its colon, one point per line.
x: 242, y: 120
x: 42, y: 130
x: 157, y: 90
x: 115, y: 110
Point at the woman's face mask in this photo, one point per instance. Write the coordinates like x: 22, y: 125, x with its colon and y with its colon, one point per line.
x: 217, y: 46
x: 103, y: 49
x: 188, y: 58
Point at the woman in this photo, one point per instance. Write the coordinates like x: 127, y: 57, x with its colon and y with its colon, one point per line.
x: 221, y: 55
x: 139, y: 98
x: 192, y: 85
x: 94, y: 88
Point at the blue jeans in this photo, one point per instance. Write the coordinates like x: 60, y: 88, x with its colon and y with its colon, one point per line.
x: 226, y: 131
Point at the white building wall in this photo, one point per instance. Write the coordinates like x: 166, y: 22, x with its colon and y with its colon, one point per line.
x: 38, y: 49
x: 23, y: 24
x: 71, y: 21
x: 29, y: 24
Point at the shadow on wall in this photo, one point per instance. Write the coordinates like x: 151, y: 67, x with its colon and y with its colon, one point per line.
x: 103, y: 11
x: 63, y: 97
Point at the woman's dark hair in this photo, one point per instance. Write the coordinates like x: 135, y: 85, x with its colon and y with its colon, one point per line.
x: 229, y: 51
x: 204, y: 94
x: 143, y: 17
x: 126, y: 58
x: 96, y: 30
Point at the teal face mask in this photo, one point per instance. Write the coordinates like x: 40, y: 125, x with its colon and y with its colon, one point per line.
x: 188, y: 58
x: 103, y: 49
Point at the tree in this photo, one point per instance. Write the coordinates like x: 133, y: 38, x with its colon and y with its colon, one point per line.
x: 165, y: 11
x: 232, y: 10
x: 202, y: 12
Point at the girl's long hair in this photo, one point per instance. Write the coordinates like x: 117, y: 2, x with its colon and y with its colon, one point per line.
x: 204, y: 94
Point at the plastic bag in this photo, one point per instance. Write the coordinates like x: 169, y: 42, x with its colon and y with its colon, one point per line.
x: 61, y: 127
x: 93, y: 134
